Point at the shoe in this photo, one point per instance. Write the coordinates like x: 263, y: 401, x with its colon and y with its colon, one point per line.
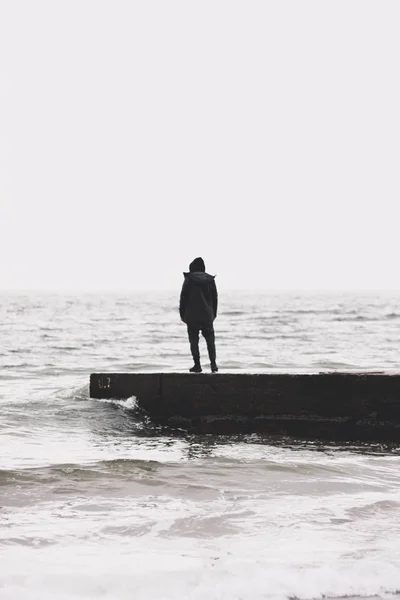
x: 214, y: 368
x: 196, y: 369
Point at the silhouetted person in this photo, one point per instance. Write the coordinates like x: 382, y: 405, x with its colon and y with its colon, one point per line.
x: 198, y: 309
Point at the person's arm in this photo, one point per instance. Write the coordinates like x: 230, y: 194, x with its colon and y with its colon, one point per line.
x: 184, y: 298
x: 214, y: 298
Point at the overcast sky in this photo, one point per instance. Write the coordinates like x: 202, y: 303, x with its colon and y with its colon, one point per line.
x: 261, y: 135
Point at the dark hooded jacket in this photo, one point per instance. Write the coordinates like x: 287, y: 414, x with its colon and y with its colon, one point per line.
x: 199, y: 298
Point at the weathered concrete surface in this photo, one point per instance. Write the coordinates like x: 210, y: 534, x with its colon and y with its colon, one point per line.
x: 344, y: 406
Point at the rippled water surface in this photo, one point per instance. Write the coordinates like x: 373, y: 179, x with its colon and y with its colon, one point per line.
x: 97, y: 504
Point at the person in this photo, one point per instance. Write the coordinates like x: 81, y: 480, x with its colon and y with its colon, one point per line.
x: 198, y: 308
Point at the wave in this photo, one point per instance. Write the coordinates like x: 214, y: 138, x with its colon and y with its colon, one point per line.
x: 356, y: 318
x: 78, y: 471
x: 79, y: 393
x: 128, y: 403
x: 23, y: 365
x: 393, y: 315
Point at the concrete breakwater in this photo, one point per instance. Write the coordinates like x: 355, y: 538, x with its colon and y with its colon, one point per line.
x: 338, y: 406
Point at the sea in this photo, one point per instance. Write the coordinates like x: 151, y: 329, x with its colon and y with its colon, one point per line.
x: 98, y: 504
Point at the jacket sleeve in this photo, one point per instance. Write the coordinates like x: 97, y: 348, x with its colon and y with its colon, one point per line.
x: 214, y: 298
x: 184, y: 298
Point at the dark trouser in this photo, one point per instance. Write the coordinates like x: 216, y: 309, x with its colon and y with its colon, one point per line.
x: 208, y: 334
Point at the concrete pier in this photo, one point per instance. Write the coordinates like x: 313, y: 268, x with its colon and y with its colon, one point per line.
x: 339, y: 406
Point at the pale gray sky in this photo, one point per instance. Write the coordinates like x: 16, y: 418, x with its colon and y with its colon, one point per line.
x: 261, y: 135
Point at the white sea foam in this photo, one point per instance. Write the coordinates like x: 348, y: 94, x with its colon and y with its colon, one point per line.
x: 129, y: 403
x: 239, y: 571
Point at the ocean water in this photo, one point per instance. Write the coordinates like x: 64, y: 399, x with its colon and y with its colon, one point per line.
x: 97, y: 504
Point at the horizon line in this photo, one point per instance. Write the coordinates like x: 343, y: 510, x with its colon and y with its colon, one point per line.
x: 269, y: 290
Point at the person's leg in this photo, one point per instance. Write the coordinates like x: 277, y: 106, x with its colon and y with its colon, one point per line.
x: 209, y: 336
x: 194, y: 348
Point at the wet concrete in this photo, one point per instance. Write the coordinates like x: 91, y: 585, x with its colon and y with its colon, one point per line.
x: 340, y: 406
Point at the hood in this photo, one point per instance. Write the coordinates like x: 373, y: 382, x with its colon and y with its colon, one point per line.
x: 197, y: 265
x: 199, y: 277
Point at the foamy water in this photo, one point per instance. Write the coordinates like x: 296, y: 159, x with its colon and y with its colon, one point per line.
x: 95, y: 503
